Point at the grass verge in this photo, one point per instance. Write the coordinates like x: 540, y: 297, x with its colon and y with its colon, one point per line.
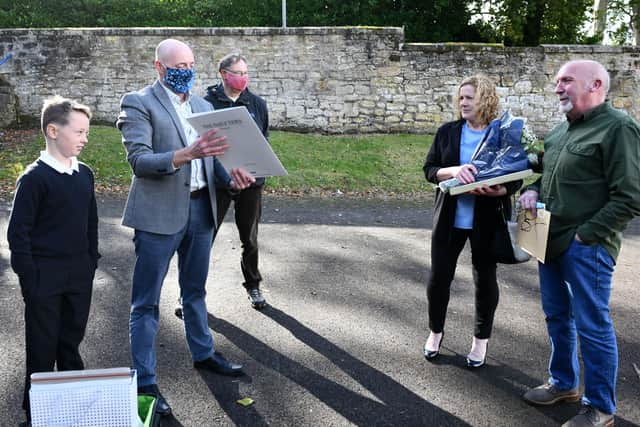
x: 357, y: 165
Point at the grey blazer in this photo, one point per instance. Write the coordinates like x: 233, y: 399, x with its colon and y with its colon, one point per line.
x: 158, y: 200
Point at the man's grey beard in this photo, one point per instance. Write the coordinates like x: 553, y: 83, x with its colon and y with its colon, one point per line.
x: 565, y: 107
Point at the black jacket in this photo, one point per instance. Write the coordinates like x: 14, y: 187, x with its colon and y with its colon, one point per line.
x: 445, y: 152
x: 257, y: 108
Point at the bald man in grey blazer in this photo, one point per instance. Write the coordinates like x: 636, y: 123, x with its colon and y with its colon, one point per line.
x: 171, y: 206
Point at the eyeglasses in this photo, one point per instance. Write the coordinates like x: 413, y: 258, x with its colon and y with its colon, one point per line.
x: 237, y: 73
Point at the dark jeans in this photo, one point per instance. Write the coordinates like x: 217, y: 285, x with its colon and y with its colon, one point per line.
x: 444, y: 258
x: 56, y: 313
x: 248, y: 210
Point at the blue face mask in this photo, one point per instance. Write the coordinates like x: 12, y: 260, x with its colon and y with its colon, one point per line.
x: 179, y: 80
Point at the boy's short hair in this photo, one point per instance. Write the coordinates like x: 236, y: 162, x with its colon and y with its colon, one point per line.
x: 57, y: 109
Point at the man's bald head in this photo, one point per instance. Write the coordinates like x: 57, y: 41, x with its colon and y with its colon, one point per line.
x: 168, y: 48
x: 581, y: 85
x: 591, y: 71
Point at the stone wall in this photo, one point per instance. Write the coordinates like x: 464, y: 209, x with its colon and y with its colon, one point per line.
x: 335, y: 80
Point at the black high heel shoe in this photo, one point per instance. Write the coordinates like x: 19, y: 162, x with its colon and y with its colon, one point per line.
x: 430, y: 355
x: 474, y: 364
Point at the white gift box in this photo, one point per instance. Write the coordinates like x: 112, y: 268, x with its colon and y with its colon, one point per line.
x: 95, y: 397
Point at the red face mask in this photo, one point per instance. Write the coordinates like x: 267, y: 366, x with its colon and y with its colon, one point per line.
x: 238, y: 83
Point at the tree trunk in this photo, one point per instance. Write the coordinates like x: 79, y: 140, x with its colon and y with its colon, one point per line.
x: 600, y: 19
x: 635, y: 21
x: 533, y: 23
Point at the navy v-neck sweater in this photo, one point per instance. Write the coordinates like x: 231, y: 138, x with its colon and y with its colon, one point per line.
x: 54, y: 215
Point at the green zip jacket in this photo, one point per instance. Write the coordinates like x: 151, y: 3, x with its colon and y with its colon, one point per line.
x: 591, y: 179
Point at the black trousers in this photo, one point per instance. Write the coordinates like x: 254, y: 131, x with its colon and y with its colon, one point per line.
x: 444, y: 258
x: 247, y: 210
x: 57, y: 307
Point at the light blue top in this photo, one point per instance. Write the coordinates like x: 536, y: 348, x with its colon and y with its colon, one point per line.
x: 464, y: 210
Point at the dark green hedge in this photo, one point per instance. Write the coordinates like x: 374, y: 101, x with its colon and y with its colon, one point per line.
x: 424, y: 21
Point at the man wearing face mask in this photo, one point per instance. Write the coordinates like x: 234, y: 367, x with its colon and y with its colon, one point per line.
x: 233, y: 92
x: 171, y: 206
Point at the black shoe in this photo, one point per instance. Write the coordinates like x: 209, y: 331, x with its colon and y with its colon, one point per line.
x: 218, y: 364
x: 473, y: 364
x: 25, y: 424
x: 162, y: 407
x: 430, y: 355
x: 178, y: 309
x: 257, y: 300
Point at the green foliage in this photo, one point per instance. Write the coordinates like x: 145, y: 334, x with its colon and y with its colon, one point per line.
x: 512, y: 22
x: 535, y: 22
x: 624, y: 18
x: 110, y: 13
x: 565, y: 24
x: 363, y: 164
x: 425, y: 21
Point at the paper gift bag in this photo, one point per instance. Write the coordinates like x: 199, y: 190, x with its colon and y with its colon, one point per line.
x: 533, y: 233
x: 96, y: 397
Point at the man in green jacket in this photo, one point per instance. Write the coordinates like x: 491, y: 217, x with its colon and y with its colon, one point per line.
x: 591, y: 185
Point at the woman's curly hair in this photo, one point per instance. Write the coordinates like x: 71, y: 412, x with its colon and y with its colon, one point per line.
x: 486, y: 97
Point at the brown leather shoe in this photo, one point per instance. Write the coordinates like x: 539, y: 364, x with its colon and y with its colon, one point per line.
x: 590, y: 417
x: 548, y: 394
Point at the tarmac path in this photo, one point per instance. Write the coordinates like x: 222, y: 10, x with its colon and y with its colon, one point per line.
x: 341, y: 342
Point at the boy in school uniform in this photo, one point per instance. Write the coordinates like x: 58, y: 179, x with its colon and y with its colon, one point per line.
x: 53, y: 238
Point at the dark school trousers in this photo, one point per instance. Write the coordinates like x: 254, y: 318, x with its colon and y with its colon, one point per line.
x: 247, y: 212
x: 57, y: 307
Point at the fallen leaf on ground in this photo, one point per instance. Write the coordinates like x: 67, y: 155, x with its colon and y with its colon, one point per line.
x: 245, y: 402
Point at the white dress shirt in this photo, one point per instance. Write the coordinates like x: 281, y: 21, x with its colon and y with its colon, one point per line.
x: 183, y: 109
x: 48, y: 159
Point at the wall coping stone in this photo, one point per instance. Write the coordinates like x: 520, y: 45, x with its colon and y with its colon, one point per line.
x: 213, y: 31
